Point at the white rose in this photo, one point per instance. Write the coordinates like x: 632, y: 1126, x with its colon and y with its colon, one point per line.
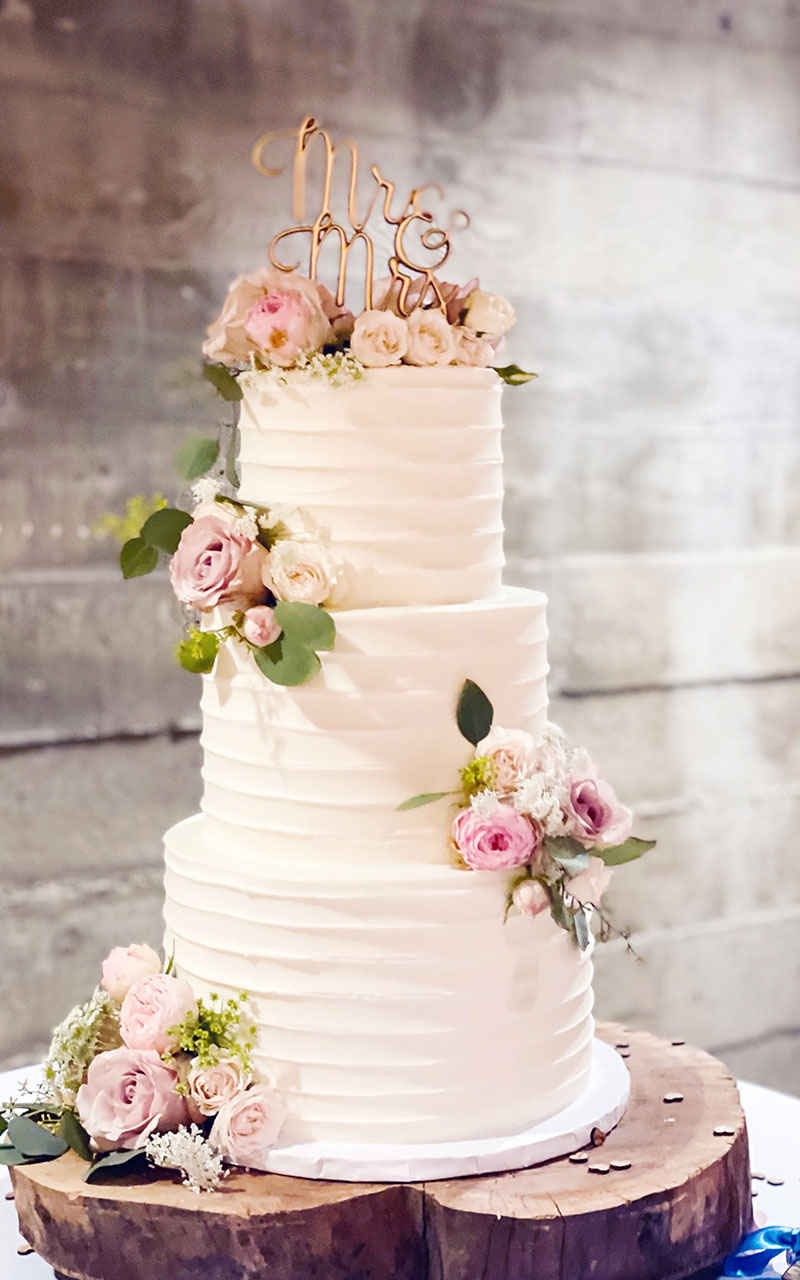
x: 300, y: 570
x: 430, y: 338
x: 591, y: 884
x: 247, y: 1126
x: 379, y: 338
x: 513, y: 754
x: 471, y: 348
x: 209, y: 1088
x: 488, y: 313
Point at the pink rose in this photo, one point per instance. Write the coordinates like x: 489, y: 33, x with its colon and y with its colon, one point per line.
x: 530, y: 897
x: 247, y: 1126
x: 211, y: 1087
x: 216, y: 564
x: 286, y: 323
x: 228, y: 340
x: 128, y: 1095
x: 260, y: 626
x: 455, y: 297
x: 595, y: 817
x: 151, y: 1007
x: 495, y: 841
x: 124, y: 966
x: 591, y: 884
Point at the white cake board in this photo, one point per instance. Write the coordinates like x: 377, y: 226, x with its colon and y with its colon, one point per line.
x: 601, y: 1106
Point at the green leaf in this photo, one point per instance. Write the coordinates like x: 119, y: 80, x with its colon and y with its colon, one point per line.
x: 474, y: 713
x: 198, y: 650
x: 559, y: 910
x: 627, y: 852
x: 514, y: 376
x: 3, y: 1125
x: 33, y: 1140
x: 106, y: 1167
x: 137, y: 558
x: 196, y: 456
x: 74, y: 1134
x: 222, y: 380
x: 163, y: 528
x: 306, y: 624
x: 428, y: 797
x: 231, y: 474
x: 9, y: 1155
x: 568, y: 853
x: 583, y: 934
x: 286, y: 663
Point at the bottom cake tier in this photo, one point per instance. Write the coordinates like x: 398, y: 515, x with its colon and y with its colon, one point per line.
x: 392, y: 1002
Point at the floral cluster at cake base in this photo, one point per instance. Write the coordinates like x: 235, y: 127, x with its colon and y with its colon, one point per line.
x: 537, y: 807
x: 144, y: 1072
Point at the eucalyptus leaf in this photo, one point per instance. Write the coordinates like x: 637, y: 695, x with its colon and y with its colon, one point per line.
x: 559, y: 910
x: 427, y: 797
x: 306, y: 624
x: 3, y: 1125
x: 474, y: 713
x: 34, y: 1140
x: 9, y: 1155
x: 567, y: 853
x: 583, y: 934
x: 106, y: 1167
x: 74, y: 1134
x: 513, y: 376
x: 163, y: 528
x: 231, y: 474
x: 627, y: 852
x: 197, y: 651
x: 196, y: 456
x: 287, y: 663
x: 137, y: 558
x: 222, y: 380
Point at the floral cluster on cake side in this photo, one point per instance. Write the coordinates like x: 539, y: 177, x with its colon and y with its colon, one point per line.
x: 538, y: 807
x: 144, y: 1071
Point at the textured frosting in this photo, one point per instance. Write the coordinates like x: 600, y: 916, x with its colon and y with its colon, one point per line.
x: 392, y: 1002
x: 323, y: 766
x: 403, y: 468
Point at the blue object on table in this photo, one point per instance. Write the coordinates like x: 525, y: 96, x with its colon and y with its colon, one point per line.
x: 755, y: 1253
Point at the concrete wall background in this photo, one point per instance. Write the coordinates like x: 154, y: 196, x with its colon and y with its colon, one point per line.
x: 633, y: 174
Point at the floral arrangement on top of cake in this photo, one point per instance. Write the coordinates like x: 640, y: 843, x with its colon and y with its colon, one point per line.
x: 145, y: 1073
x: 540, y: 808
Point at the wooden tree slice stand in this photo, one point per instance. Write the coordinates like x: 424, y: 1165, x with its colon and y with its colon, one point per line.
x: 683, y: 1203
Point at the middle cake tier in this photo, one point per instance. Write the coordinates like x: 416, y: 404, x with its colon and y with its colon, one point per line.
x: 325, y: 764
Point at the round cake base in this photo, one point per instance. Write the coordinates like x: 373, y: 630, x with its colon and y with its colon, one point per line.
x: 664, y: 1196
x: 600, y: 1107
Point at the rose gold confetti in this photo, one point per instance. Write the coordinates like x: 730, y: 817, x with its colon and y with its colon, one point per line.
x: 599, y: 1168
x: 620, y: 1164
x: 673, y: 1097
x: 579, y: 1157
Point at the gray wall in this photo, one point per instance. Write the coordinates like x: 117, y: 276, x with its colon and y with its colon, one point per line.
x: 633, y: 173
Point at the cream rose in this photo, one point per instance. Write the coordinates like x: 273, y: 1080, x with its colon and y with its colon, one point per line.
x: 379, y: 338
x: 488, y: 313
x: 247, y: 1126
x: 300, y: 569
x: 512, y: 753
x: 210, y: 1087
x: 471, y: 348
x: 430, y: 338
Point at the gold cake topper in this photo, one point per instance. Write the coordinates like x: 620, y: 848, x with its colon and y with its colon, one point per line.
x: 403, y: 268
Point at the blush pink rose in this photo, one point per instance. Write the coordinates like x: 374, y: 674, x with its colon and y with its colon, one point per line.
x: 513, y: 755
x: 531, y: 898
x: 209, y: 1088
x: 589, y: 886
x: 286, y: 323
x: 151, y: 1007
x: 216, y: 564
x: 594, y: 816
x: 247, y: 1126
x: 128, y: 1095
x: 260, y: 626
x: 124, y: 966
x: 495, y: 841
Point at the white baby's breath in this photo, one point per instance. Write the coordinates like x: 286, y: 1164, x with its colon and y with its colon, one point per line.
x: 86, y: 1031
x: 542, y: 797
x: 205, y: 489
x: 247, y: 524
x: 188, y: 1150
x: 485, y: 803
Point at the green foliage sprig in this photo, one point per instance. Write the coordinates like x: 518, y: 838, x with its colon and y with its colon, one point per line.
x: 219, y: 1029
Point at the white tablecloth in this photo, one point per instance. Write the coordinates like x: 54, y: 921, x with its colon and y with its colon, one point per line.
x: 773, y: 1121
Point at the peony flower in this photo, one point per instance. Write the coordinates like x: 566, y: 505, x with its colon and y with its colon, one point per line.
x: 285, y: 323
x: 430, y: 338
x: 152, y: 1006
x: 496, y: 841
x: 227, y: 339
x: 471, y: 348
x: 340, y: 319
x: 379, y: 338
x: 124, y: 966
x: 589, y: 886
x: 259, y: 625
x: 530, y: 897
x: 209, y: 1088
x: 247, y: 1126
x: 512, y: 753
x: 488, y: 313
x: 129, y: 1094
x: 300, y: 569
x: 594, y: 815
x: 217, y: 564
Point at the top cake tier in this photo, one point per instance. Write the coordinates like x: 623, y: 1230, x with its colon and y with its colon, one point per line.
x: 402, y: 468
